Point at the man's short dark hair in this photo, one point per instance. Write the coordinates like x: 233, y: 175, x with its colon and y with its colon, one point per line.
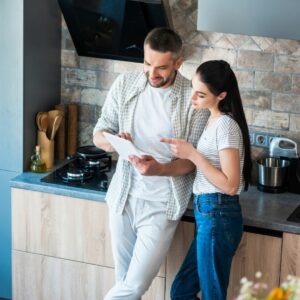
x: 163, y: 39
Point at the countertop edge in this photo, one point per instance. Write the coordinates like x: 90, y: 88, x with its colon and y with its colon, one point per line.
x: 30, y: 181
x: 260, y: 210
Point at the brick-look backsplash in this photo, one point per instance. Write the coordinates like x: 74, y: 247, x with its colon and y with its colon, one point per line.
x: 268, y: 72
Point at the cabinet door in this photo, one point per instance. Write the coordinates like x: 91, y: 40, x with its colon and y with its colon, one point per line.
x: 256, y: 252
x: 183, y: 238
x: 61, y: 226
x: 38, y: 277
x: 290, y: 261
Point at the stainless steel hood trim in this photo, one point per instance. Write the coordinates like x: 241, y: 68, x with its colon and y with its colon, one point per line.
x: 269, y: 18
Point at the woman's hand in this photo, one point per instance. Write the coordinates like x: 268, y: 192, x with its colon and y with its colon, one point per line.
x: 180, y: 148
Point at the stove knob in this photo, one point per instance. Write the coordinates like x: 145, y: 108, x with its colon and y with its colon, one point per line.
x: 103, y: 185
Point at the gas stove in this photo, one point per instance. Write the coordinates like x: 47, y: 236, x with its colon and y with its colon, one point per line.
x: 92, y: 174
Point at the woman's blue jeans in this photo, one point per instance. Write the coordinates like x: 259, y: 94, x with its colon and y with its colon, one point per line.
x: 207, y: 265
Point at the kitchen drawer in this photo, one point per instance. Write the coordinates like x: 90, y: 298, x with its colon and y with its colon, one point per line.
x: 38, y: 277
x: 61, y: 226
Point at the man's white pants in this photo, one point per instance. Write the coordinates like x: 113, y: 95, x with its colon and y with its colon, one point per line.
x: 141, y: 237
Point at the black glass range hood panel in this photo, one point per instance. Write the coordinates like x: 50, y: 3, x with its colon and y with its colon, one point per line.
x: 113, y: 29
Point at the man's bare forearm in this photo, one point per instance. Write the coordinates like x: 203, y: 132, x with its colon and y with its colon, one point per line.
x: 101, y: 142
x: 177, y: 167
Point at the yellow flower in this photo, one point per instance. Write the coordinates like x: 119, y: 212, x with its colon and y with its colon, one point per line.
x: 279, y: 294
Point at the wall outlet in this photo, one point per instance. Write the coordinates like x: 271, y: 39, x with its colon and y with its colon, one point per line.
x: 261, y: 139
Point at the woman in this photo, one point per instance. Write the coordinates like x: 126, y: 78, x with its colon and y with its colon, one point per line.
x: 223, y: 163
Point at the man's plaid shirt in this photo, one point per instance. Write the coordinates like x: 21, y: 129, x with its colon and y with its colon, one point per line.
x: 117, y: 116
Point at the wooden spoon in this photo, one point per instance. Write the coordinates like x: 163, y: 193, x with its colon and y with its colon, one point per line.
x: 56, y: 124
x: 52, y: 114
x: 44, y: 121
x: 38, y: 120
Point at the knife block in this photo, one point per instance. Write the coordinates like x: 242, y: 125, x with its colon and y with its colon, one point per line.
x: 47, y: 148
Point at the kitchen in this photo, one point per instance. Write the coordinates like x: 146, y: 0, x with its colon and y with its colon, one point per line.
x: 267, y: 68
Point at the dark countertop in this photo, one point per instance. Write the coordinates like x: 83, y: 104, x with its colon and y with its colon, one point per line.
x: 267, y: 211
x: 260, y: 210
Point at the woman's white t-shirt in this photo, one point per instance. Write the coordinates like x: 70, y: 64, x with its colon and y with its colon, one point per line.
x: 223, y: 133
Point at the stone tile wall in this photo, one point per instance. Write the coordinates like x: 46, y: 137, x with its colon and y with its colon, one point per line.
x: 268, y: 72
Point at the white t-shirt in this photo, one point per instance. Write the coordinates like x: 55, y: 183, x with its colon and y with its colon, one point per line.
x: 223, y: 133
x: 152, y: 121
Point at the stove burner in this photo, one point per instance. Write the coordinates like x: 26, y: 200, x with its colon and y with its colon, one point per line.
x: 75, y: 175
x: 93, y: 163
x: 96, y: 164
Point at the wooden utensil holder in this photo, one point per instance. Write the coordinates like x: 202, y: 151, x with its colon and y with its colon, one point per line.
x: 47, y: 148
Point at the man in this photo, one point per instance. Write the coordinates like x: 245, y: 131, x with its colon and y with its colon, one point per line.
x: 147, y: 196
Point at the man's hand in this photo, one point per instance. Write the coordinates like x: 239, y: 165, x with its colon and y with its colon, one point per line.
x: 101, y: 142
x: 125, y: 136
x: 146, y: 165
x: 180, y: 148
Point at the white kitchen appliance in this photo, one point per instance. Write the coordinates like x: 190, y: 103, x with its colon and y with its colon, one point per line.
x: 283, y: 147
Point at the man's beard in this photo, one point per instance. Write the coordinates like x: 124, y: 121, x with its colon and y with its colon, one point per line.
x: 163, y: 82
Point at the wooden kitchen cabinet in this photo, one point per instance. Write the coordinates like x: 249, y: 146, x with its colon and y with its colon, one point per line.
x: 290, y: 260
x: 183, y: 238
x: 41, y: 277
x: 44, y: 277
x: 61, y: 249
x: 256, y: 252
x: 61, y: 226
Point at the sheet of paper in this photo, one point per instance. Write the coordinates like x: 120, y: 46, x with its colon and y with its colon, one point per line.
x: 122, y: 146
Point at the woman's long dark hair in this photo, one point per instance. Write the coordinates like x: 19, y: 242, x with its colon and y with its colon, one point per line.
x: 219, y: 77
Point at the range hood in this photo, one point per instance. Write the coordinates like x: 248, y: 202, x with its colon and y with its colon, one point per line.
x: 113, y: 29
x: 268, y: 18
